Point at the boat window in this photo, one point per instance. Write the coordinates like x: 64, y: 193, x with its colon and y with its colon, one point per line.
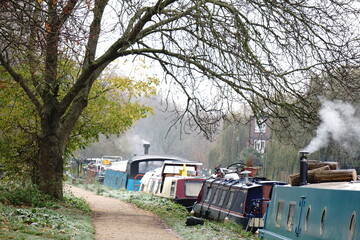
x: 352, y: 226
x: 208, y: 194
x: 152, y: 187
x: 157, y: 187
x: 146, y: 166
x: 222, y: 198
x: 192, y: 188
x: 175, y: 169
x: 279, y: 212
x: 307, y: 217
x: 216, y: 195
x: 241, y: 199
x: 290, y: 217
x: 322, y: 222
x: 172, y: 189
x: 229, y: 203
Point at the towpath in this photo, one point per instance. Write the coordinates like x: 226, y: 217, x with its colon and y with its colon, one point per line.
x: 115, y: 219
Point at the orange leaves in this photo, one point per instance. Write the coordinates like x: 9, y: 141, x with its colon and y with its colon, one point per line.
x: 47, y: 27
x: 66, y: 10
x: 88, y: 3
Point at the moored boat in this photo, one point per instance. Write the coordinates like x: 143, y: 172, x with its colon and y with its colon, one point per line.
x: 237, y: 197
x: 174, y: 180
x: 326, y: 210
x: 130, y: 175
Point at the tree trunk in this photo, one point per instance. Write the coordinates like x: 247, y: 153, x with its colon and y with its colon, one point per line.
x: 51, y: 167
x: 51, y: 155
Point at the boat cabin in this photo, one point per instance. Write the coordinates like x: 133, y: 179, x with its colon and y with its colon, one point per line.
x: 240, y: 200
x: 314, y: 211
x: 174, y: 180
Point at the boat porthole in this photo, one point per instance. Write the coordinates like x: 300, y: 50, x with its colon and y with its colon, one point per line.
x: 307, y: 217
x: 322, y: 222
x: 352, y: 226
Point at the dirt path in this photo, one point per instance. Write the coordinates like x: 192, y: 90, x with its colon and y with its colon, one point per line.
x: 115, y: 219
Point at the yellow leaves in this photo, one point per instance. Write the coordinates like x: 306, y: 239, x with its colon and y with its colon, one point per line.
x: 130, y: 87
x: 114, y: 104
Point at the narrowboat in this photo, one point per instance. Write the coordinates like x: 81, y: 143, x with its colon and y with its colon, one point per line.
x: 316, y: 211
x: 323, y: 210
x: 136, y: 167
x: 174, y: 180
x: 238, y: 197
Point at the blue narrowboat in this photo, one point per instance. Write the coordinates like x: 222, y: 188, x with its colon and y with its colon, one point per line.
x: 328, y: 208
x: 314, y: 211
x: 130, y: 177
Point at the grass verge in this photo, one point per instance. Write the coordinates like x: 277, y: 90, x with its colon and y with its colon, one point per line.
x: 28, y: 215
x: 174, y: 215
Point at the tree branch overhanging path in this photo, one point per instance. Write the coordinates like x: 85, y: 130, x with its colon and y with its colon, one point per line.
x: 260, y: 53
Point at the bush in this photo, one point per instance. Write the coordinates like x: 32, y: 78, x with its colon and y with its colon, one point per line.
x: 24, y: 195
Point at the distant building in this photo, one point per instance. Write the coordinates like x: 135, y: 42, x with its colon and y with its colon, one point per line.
x: 259, y: 133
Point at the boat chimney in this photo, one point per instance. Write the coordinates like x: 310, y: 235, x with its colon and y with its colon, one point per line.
x: 146, y: 148
x: 303, y: 167
x: 246, y: 176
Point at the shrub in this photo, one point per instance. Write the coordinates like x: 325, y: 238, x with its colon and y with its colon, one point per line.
x: 24, y: 195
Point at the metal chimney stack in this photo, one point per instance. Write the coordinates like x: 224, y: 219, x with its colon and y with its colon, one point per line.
x: 303, y: 167
x: 146, y: 148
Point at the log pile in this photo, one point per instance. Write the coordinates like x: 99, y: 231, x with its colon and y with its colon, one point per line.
x: 314, y: 164
x: 319, y: 172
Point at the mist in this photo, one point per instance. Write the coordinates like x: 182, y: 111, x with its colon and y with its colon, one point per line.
x: 340, y: 122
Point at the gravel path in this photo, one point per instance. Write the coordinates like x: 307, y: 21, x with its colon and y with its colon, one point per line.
x: 115, y: 219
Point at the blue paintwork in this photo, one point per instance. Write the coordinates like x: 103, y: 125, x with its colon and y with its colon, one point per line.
x: 131, y: 185
x: 115, y: 179
x: 336, y: 203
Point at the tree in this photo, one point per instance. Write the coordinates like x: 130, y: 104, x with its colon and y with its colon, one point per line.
x: 229, y: 144
x: 113, y: 110
x: 256, y: 52
x: 157, y: 129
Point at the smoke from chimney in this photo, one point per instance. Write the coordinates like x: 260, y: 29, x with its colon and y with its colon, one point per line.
x: 340, y: 121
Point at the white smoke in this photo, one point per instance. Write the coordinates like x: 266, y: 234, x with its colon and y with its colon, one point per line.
x: 340, y: 121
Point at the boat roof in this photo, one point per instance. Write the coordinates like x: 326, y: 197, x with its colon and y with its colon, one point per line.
x: 240, y: 183
x: 353, y: 185
x: 158, y: 157
x: 180, y: 163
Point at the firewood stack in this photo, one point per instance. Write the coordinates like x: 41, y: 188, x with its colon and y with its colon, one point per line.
x: 325, y: 172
